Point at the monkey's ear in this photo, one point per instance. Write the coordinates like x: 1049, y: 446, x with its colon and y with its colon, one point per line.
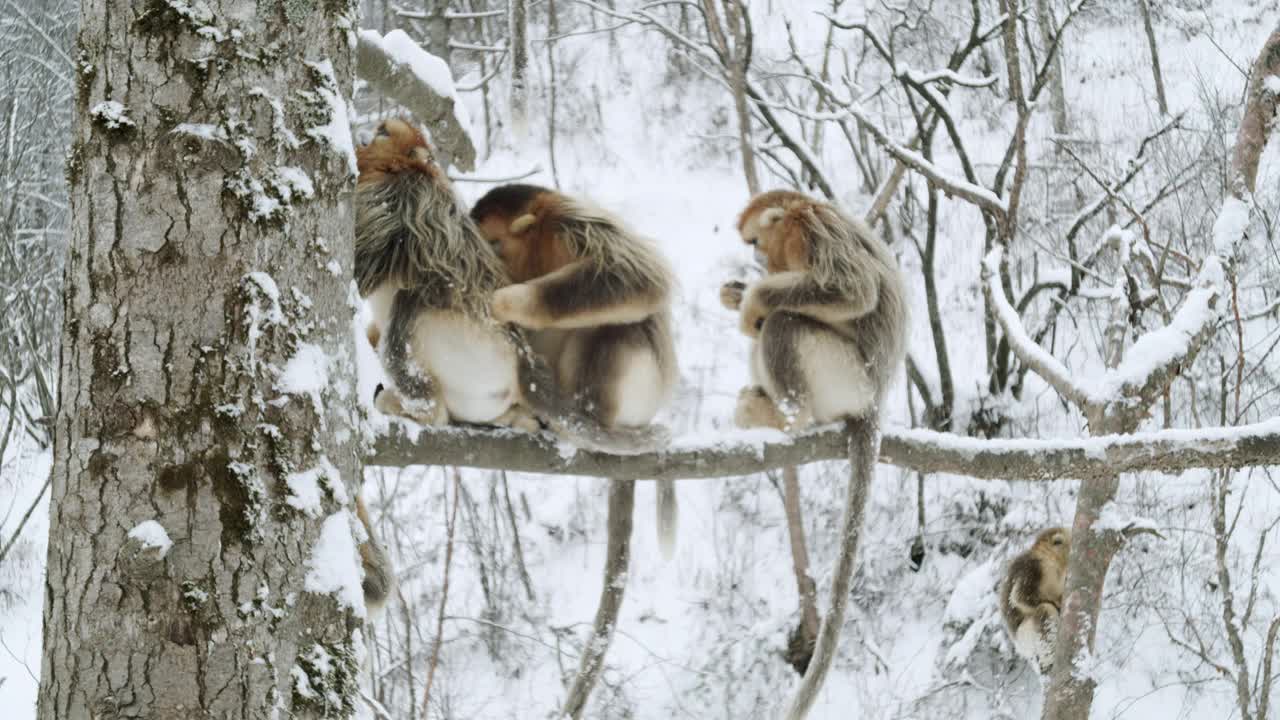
x: 771, y: 216
x: 523, y: 223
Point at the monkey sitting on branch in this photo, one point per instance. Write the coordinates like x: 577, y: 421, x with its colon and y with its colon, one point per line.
x: 829, y: 319
x: 428, y: 275
x: 595, y: 300
x: 1031, y: 596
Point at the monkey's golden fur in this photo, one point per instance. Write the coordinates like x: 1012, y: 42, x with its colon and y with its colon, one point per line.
x: 829, y: 319
x: 1031, y: 596
x: 428, y: 274
x: 596, y: 299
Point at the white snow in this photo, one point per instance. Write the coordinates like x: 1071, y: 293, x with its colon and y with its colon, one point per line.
x: 112, y: 114
x: 1161, y: 347
x: 334, y: 567
x: 1229, y: 228
x: 306, y: 488
x: 337, y: 132
x: 152, y: 535
x: 305, y: 373
x: 294, y: 181
x: 427, y: 68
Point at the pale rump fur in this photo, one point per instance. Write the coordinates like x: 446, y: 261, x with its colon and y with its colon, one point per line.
x: 595, y: 301
x: 1031, y: 596
x: 829, y: 320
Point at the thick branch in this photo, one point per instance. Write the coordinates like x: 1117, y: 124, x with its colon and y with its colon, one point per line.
x: 395, y: 66
x: 1169, y: 451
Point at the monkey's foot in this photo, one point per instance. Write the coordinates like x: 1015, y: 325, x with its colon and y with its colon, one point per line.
x: 373, y: 334
x: 423, y: 412
x: 755, y: 410
x: 520, y: 418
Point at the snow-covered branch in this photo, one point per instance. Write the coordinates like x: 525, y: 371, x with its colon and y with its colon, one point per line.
x: 1151, y: 362
x: 1028, y: 350
x: 397, y: 67
x: 744, y: 453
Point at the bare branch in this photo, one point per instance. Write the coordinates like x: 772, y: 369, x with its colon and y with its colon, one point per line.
x: 409, y: 75
x: 1029, y: 351
x: 1169, y: 451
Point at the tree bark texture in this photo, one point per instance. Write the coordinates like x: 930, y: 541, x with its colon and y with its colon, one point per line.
x: 206, y: 369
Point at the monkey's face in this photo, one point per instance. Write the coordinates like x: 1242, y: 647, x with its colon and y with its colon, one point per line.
x: 396, y: 147
x: 779, y: 242
x: 1056, y: 541
x: 527, y: 244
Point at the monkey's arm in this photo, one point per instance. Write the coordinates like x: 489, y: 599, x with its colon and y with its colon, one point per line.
x: 798, y: 293
x: 577, y: 295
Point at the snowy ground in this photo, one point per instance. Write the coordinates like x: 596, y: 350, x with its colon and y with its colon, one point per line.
x: 702, y: 635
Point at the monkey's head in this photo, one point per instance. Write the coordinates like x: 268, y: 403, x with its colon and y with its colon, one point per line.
x: 522, y: 223
x: 397, y: 148
x: 772, y: 223
x: 411, y: 229
x: 1054, y: 542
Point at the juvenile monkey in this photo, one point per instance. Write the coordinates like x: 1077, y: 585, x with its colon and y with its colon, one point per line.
x: 1031, y: 596
x: 829, y: 319
x: 595, y: 299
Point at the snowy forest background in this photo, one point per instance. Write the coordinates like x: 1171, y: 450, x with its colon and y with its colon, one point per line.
x: 634, y: 106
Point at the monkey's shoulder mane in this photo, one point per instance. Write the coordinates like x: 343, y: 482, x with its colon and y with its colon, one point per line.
x: 416, y: 233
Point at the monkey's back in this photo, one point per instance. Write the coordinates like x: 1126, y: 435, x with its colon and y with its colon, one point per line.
x: 1023, y: 575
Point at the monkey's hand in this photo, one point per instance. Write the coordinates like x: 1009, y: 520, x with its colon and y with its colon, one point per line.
x: 516, y: 304
x: 752, y: 316
x: 731, y: 294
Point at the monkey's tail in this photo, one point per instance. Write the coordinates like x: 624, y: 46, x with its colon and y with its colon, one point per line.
x: 379, y: 576
x: 542, y: 394
x: 667, y: 518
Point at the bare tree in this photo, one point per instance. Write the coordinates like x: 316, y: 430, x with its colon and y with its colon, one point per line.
x: 205, y: 370
x: 1094, y: 544
x: 1144, y: 7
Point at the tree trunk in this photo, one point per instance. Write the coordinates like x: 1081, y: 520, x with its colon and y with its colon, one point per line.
x: 1070, y: 692
x: 1145, y: 8
x: 1057, y: 94
x: 518, y: 41
x: 206, y: 371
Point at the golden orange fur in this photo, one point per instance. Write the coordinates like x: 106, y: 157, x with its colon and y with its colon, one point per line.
x: 398, y: 147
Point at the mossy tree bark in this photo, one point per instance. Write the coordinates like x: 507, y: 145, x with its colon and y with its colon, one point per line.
x: 206, y: 369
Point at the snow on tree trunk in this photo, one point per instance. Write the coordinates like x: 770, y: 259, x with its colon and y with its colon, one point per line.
x: 206, y: 369
x: 518, y: 41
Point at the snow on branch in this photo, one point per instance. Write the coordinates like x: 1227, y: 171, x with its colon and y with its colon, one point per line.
x: 397, y: 67
x: 949, y: 184
x: 1028, y: 350
x: 1152, y: 361
x: 951, y: 76
x: 926, y: 451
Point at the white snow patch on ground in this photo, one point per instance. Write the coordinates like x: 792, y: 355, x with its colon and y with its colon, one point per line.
x: 334, y: 566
